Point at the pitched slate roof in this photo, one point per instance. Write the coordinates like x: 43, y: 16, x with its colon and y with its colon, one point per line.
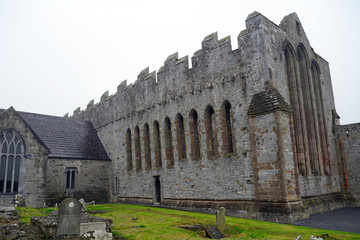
x: 268, y: 101
x: 66, y: 137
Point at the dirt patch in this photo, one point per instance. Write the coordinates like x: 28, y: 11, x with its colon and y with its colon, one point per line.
x: 32, y: 232
x: 98, y: 212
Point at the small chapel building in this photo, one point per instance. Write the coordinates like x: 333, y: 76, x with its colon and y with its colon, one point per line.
x: 47, y: 159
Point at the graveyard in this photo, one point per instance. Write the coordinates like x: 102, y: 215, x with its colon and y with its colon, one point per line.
x: 141, y: 222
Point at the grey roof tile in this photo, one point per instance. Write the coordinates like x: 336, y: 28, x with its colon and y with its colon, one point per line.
x: 268, y: 101
x: 66, y: 137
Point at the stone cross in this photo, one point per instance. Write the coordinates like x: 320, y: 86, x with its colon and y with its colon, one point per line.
x: 220, y: 219
x: 69, y: 218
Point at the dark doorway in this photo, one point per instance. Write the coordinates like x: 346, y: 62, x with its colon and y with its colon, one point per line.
x: 157, y: 189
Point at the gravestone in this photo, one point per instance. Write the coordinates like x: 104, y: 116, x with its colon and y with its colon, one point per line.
x: 82, y: 201
x: 69, y: 218
x: 220, y: 219
x: 19, y: 200
x: 213, y: 232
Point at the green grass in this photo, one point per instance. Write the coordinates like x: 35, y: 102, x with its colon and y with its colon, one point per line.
x: 26, y: 213
x: 140, y: 222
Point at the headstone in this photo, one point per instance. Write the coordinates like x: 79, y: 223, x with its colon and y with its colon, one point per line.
x: 220, y: 219
x: 82, y: 201
x: 19, y: 200
x: 213, y: 232
x: 69, y: 218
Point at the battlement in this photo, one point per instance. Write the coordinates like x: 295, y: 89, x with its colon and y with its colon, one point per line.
x: 175, y: 79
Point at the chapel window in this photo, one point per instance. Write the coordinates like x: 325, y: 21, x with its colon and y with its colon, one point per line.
x: 210, y: 131
x: 12, y: 149
x: 137, y: 149
x: 128, y: 150
x: 315, y: 73
x: 295, y: 100
x: 168, y: 143
x: 194, y: 134
x: 309, y: 111
x: 227, y: 128
x: 157, y: 144
x: 70, y: 177
x: 147, y: 151
x: 180, y: 136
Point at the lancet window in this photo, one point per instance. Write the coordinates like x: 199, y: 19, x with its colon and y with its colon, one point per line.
x: 168, y: 143
x: 180, y: 136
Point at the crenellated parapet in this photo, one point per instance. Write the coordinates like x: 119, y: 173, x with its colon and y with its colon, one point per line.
x: 214, y: 66
x: 172, y: 82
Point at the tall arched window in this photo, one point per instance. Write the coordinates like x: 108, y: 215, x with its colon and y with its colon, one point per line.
x: 157, y: 144
x: 137, y: 149
x: 312, y: 130
x: 12, y: 152
x: 315, y: 73
x: 194, y: 134
x: 227, y: 133
x: 209, y: 116
x: 128, y: 150
x: 295, y: 93
x: 180, y: 136
x: 147, y: 151
x: 168, y: 143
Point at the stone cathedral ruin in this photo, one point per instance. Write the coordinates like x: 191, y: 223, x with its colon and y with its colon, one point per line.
x: 252, y: 129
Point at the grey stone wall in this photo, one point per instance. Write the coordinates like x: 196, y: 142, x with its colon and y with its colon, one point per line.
x: 218, y: 74
x: 92, y: 180
x: 33, y: 165
x: 349, y: 135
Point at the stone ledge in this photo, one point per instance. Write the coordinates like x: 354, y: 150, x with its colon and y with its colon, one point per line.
x: 283, y: 212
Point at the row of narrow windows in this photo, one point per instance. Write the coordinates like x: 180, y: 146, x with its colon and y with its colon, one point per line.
x: 310, y: 132
x: 154, y: 144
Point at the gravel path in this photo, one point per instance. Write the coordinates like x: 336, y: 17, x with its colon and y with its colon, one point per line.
x: 344, y: 219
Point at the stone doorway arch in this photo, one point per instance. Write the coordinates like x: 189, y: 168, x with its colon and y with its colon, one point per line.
x: 157, y: 190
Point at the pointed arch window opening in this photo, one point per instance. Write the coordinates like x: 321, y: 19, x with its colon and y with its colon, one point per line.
x: 228, y: 128
x: 293, y: 84
x: 210, y: 131
x: 128, y: 150
x: 147, y: 150
x: 70, y: 177
x: 168, y: 143
x: 315, y: 72
x: 194, y: 135
x: 12, y: 151
x: 157, y: 144
x: 310, y: 112
x: 180, y: 134
x: 137, y: 149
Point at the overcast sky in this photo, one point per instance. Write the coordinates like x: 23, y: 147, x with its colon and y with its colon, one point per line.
x: 58, y: 55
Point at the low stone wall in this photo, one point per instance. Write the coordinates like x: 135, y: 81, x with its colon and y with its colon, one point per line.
x: 10, y: 226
